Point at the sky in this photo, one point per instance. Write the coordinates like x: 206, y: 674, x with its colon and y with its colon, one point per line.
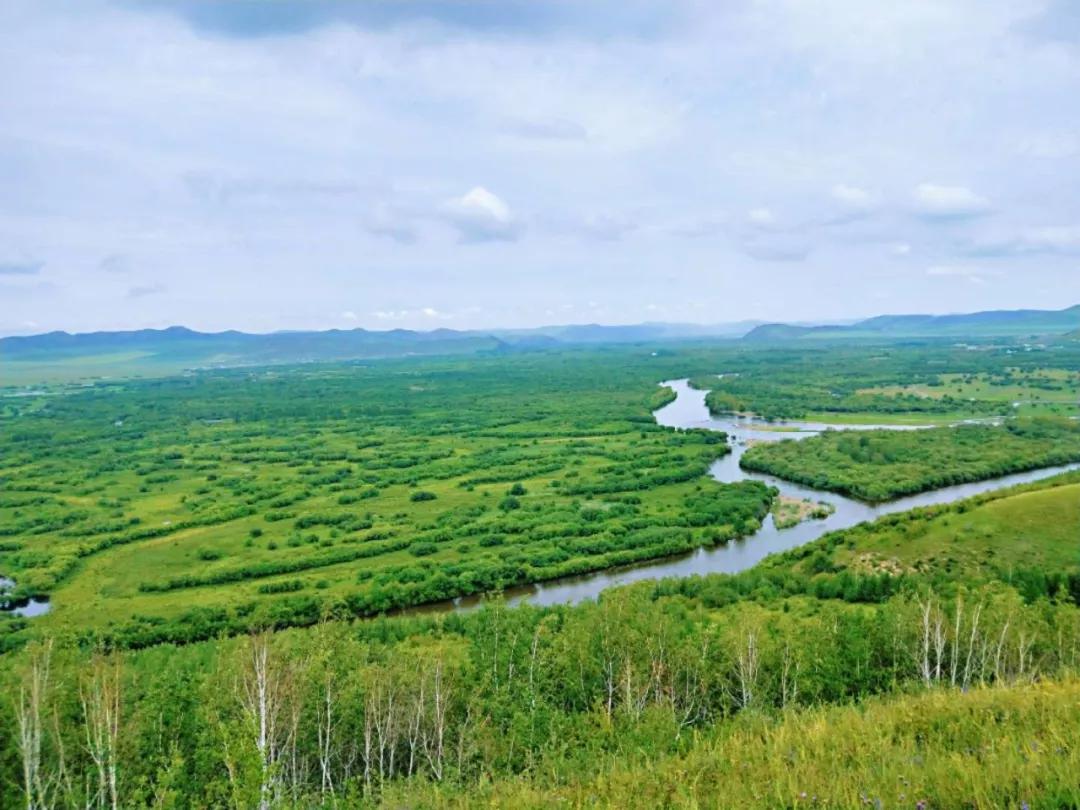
x: 510, y: 163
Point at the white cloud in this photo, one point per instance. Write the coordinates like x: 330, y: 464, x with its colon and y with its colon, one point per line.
x: 950, y: 270
x: 548, y: 129
x: 391, y: 314
x: 144, y: 290
x: 1049, y: 145
x: 414, y: 315
x: 306, y: 169
x: 1054, y: 239
x: 481, y: 216
x: 349, y: 315
x: 1061, y: 240
x: 392, y: 223
x: 853, y: 197
x: 115, y: 263
x: 935, y: 201
x: 602, y: 227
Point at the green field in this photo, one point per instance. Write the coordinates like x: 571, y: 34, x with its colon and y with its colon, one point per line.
x: 1027, y: 392
x: 1013, y: 536
x: 216, y: 501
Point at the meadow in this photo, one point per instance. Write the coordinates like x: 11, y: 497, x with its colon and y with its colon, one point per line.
x: 219, y: 501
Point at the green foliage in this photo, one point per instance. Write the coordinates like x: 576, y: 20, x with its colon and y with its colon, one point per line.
x: 146, y: 497
x: 810, y: 673
x: 884, y: 464
x: 532, y: 702
x: 921, y: 384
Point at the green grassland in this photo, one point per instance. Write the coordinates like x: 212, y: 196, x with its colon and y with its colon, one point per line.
x: 878, y: 465
x: 179, y: 525
x: 911, y: 751
x: 1016, y: 536
x: 1032, y: 392
x: 111, y: 365
x: 216, y: 501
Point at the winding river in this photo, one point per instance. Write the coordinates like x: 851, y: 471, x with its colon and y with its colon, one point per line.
x: 688, y: 410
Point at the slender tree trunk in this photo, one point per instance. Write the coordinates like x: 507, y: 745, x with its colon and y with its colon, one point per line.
x: 100, y: 698
x: 29, y: 707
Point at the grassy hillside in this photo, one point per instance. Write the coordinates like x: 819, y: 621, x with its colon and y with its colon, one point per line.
x: 911, y: 751
x: 1024, y: 536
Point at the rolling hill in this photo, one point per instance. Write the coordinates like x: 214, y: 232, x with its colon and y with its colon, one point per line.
x: 997, y: 323
x: 56, y: 356
x: 59, y: 356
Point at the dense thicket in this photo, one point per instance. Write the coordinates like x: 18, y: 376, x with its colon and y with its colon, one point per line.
x: 180, y: 507
x: 883, y: 464
x: 343, y: 713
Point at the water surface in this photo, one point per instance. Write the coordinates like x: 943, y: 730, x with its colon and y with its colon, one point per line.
x: 688, y: 410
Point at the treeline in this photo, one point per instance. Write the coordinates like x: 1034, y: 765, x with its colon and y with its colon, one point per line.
x: 879, y: 465
x: 352, y: 715
x: 783, y: 383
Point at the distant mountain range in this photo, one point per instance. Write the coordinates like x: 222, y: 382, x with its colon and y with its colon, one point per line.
x: 65, y: 356
x: 61, y: 355
x: 179, y: 341
x: 1016, y: 323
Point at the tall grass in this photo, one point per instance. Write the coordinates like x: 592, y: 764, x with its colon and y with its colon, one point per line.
x: 1005, y: 747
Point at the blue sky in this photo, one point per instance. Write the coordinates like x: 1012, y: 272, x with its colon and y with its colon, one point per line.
x: 277, y: 165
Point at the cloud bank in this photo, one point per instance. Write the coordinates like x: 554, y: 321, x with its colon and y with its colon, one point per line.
x: 322, y: 164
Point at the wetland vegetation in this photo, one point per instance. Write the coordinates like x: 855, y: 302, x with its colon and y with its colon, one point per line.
x: 879, y: 465
x: 215, y: 544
